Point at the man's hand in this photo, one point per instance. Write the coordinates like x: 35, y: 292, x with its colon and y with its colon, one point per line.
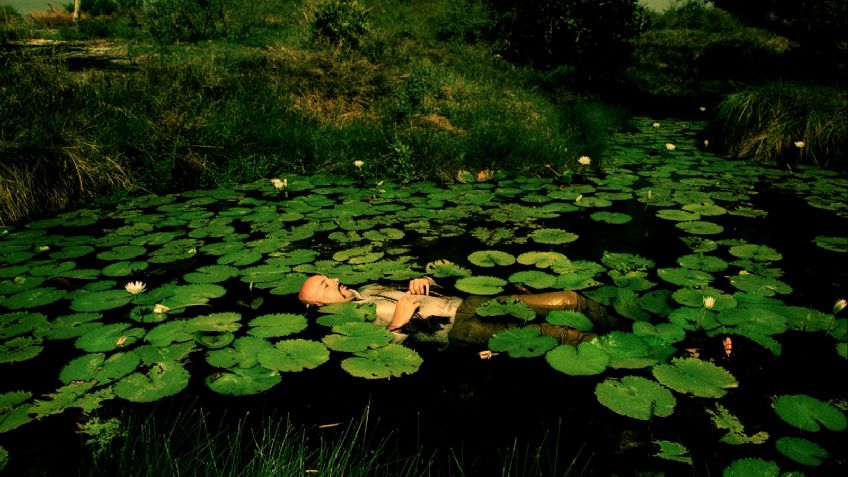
x: 420, y: 286
x: 404, y: 310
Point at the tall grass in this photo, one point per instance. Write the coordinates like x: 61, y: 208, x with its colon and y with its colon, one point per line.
x: 189, y: 441
x: 414, y: 103
x: 786, y: 123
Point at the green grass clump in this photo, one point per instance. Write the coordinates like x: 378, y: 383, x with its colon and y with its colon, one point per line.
x: 785, y: 123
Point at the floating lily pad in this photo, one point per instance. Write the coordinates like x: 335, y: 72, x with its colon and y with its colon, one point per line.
x: 122, y: 252
x: 809, y: 414
x: 750, y: 467
x: 678, y: 215
x: 215, y: 322
x: 553, y: 236
x: 636, y: 397
x: 668, y: 332
x: 71, y: 326
x: 625, y: 262
x: 834, y: 244
x: 357, y: 336
x: 339, y: 313
x: 481, y: 285
x: 164, y: 379
x: 211, y: 274
x: 570, y: 319
x: 616, y: 218
x: 801, y: 450
x: 100, y: 300
x: 244, y: 353
x: 276, y: 325
x: 446, y: 268
x: 694, y: 376
x: 673, y: 451
x: 701, y: 262
x: 699, y: 227
x: 109, y: 337
x: 384, y: 362
x: 509, y: 306
x: 34, y: 298
x: 243, y: 382
x: 585, y: 359
x: 123, y: 269
x: 544, y: 259
x: 533, y: 278
x: 294, y: 355
x: 97, y: 366
x: 685, y: 276
x: 760, y: 285
x: 20, y: 348
x: 522, y: 342
x: 491, y: 258
x: 755, y: 252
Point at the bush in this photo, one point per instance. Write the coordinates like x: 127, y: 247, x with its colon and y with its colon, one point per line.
x: 585, y: 33
x: 779, y: 123
x: 171, y: 21
x: 342, y: 23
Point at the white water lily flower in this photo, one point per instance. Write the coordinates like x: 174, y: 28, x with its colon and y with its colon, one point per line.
x: 43, y: 248
x: 706, y: 142
x: 839, y: 306
x: 702, y: 108
x: 135, y: 287
x: 577, y: 199
x: 670, y: 146
x: 160, y: 308
x: 650, y: 194
x: 709, y: 302
x: 358, y: 163
x: 584, y: 160
x: 487, y: 354
x: 800, y: 144
x: 286, y: 183
x: 277, y: 183
x: 656, y: 125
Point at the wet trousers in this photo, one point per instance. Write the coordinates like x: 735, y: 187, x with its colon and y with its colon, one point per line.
x: 473, y: 329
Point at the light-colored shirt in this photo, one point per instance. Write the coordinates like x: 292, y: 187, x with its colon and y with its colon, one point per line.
x: 385, y: 300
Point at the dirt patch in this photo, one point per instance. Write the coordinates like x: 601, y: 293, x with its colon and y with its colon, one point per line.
x: 77, y: 55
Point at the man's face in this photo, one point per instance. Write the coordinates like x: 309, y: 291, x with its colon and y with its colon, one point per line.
x: 322, y: 290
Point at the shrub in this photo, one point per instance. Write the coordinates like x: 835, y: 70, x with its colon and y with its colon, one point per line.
x: 788, y: 123
x: 171, y: 21
x: 342, y: 23
x: 549, y: 33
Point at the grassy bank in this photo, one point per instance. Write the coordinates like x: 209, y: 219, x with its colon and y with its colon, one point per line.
x: 414, y: 102
x: 416, y: 90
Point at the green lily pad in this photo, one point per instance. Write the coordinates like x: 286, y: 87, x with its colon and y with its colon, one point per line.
x: 678, y: 215
x: 215, y: 322
x: 544, y: 259
x: 71, y: 326
x: 705, y: 209
x: 244, y: 353
x: 668, y: 332
x: 755, y: 252
x: 636, y: 397
x: 481, y: 285
x: 615, y: 218
x: 522, y: 342
x: 276, y: 325
x: 585, y: 359
x: 243, y: 381
x: 20, y: 348
x: 109, y: 337
x: 704, y: 263
x: 834, y: 244
x: 346, y: 313
x: 533, y: 279
x: 19, y: 284
x: 698, y: 227
x: 357, y: 336
x: 809, y: 414
x: 509, y: 306
x: 164, y: 379
x: 446, y: 268
x: 491, y: 258
x: 695, y: 297
x: 570, y: 319
x: 692, y: 319
x: 240, y: 257
x: 211, y: 274
x: 34, y: 298
x: 122, y: 252
x: 289, y: 284
x: 553, y: 236
x: 801, y: 450
x: 123, y: 269
x: 760, y: 285
x: 100, y: 300
x: 750, y: 467
x: 214, y: 340
x: 97, y: 366
x: 673, y: 451
x: 625, y: 262
x: 294, y: 355
x: 388, y: 361
x: 685, y: 276
x: 694, y: 376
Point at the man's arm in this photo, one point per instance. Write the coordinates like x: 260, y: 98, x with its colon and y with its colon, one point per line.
x: 404, y: 309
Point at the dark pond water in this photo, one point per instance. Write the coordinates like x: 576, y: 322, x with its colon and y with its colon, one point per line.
x: 667, y: 226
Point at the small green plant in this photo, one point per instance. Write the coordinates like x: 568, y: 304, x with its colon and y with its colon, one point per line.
x: 341, y: 23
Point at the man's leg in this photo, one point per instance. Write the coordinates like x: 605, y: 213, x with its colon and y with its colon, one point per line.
x: 546, y: 302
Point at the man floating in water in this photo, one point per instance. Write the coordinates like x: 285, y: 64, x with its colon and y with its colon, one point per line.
x: 430, y: 317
